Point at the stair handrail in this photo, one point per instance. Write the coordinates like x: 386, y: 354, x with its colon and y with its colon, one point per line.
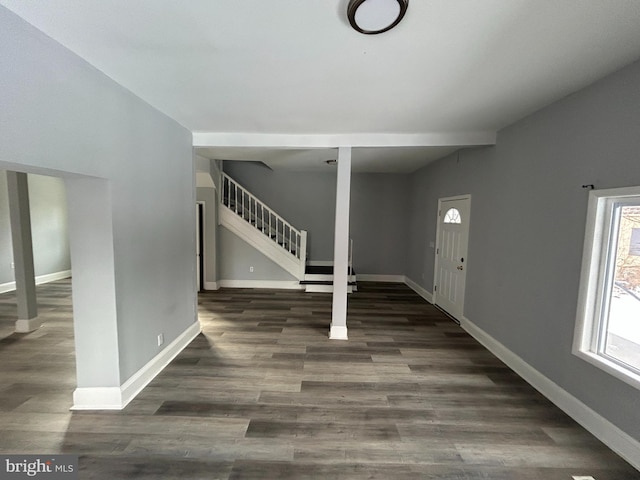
x: 300, y: 252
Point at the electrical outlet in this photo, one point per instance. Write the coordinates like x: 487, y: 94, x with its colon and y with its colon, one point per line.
x: 251, y: 269
x: 13, y: 266
x: 160, y: 339
x: 582, y: 477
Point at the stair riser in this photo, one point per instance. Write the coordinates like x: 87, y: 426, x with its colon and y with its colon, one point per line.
x: 324, y: 289
x: 312, y: 277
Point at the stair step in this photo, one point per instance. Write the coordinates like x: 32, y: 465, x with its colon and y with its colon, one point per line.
x: 321, y: 270
x: 319, y: 278
x: 322, y: 282
x: 326, y: 287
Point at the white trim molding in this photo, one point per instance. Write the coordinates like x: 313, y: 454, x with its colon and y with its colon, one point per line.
x: 97, y: 398
x: 273, y: 284
x: 338, y: 332
x: 40, y: 279
x: 418, y: 289
x: 211, y: 286
x: 617, y: 440
x: 595, y: 293
x: 116, y: 398
x: 28, y: 325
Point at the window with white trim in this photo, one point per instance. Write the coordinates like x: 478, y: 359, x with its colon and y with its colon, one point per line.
x: 608, y: 322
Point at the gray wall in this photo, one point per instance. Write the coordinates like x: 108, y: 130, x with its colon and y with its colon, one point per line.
x: 379, y: 216
x: 379, y: 221
x: 61, y: 116
x: 6, y: 252
x: 49, y: 226
x: 528, y: 215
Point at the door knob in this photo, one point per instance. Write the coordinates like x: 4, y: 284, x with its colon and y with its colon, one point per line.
x: 459, y: 268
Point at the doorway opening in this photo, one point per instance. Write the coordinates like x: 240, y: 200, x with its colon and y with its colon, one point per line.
x: 38, y: 366
x: 200, y: 229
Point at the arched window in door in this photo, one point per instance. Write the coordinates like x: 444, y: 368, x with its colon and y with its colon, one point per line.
x: 452, y: 216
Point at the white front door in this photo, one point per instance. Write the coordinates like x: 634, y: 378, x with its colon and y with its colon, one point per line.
x: 451, y: 254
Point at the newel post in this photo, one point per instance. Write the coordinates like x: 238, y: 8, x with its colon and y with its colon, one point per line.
x: 303, y: 254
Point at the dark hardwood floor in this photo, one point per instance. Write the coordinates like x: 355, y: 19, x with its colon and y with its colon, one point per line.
x: 263, y: 393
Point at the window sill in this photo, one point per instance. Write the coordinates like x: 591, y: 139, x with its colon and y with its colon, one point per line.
x: 610, y: 367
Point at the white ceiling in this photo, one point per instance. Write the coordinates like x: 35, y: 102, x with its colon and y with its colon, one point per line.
x: 292, y: 67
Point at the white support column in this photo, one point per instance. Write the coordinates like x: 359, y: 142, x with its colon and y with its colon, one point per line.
x: 341, y: 247
x: 20, y: 218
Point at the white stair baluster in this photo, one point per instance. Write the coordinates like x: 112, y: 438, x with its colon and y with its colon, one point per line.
x: 272, y: 226
x: 236, y: 193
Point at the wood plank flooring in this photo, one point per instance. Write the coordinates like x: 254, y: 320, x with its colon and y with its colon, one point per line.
x: 263, y: 393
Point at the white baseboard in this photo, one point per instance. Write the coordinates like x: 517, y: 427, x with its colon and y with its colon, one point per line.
x: 428, y: 296
x: 26, y: 326
x: 274, y: 284
x: 370, y: 277
x: 116, y: 398
x: 338, y: 333
x: 52, y: 277
x: 211, y: 286
x: 617, y: 440
x: 40, y: 279
x: 97, y: 398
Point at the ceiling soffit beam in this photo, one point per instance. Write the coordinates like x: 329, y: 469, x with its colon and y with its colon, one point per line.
x: 220, y: 139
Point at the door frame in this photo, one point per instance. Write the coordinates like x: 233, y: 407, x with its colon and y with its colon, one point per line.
x: 200, y: 246
x: 437, y: 249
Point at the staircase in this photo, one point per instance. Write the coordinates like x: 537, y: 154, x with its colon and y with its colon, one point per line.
x: 261, y: 227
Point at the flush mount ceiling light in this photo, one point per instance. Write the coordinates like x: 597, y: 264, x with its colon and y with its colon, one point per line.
x: 375, y: 16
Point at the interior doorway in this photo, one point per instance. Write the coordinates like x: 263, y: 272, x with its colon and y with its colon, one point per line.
x: 38, y: 365
x: 451, y: 261
x: 200, y: 229
x: 90, y: 316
